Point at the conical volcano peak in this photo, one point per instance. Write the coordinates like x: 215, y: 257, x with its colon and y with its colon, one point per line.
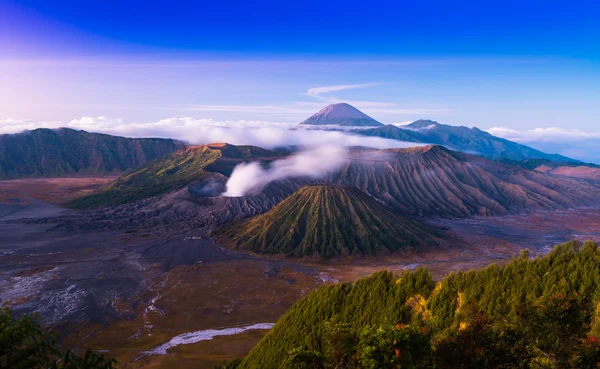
x: 341, y: 110
x: 328, y: 221
x: 342, y: 114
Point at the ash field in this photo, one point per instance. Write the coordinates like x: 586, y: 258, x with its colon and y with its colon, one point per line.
x: 103, y: 285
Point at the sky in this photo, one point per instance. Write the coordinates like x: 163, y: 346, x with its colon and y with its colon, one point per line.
x: 526, y: 70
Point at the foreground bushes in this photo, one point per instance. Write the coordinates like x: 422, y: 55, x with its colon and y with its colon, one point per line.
x: 539, y: 312
x: 24, y: 344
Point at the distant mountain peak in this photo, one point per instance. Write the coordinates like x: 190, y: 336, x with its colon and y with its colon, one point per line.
x: 342, y: 114
x: 423, y: 123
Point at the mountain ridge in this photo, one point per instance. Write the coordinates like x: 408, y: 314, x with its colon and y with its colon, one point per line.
x: 59, y: 152
x: 460, y: 138
x: 430, y: 181
x: 436, y: 181
x: 173, y: 171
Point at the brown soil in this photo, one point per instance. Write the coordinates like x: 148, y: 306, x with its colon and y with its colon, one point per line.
x: 50, y: 190
x: 192, y: 298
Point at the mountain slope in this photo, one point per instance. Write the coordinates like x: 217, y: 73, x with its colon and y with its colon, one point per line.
x: 421, y: 181
x: 469, y: 140
x: 60, y: 152
x: 327, y: 221
x: 435, y: 181
x: 174, y: 171
x: 387, y: 299
x: 576, y: 170
x: 341, y: 114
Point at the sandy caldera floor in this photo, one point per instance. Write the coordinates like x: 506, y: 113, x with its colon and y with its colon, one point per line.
x: 128, y: 293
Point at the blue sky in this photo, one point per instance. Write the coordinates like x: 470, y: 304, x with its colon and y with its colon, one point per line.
x: 521, y: 65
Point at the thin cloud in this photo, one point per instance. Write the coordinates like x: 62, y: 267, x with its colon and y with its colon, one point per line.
x: 317, y: 92
x: 372, y: 107
x: 572, y: 143
x: 550, y: 134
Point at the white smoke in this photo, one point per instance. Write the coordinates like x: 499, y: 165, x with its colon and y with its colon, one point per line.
x: 313, y: 163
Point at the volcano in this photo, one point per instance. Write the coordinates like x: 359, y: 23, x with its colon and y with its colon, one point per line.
x: 342, y: 114
x: 328, y: 221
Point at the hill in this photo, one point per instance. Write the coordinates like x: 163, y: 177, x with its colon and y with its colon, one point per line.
x: 464, y: 139
x: 61, y: 152
x: 436, y: 181
x: 327, y: 221
x: 341, y: 114
x: 569, y: 169
x: 172, y: 172
x: 529, y: 312
x: 421, y: 181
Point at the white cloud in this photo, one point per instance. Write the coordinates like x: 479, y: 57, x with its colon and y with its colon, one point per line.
x: 572, y: 143
x: 202, y: 131
x: 317, y: 92
x: 549, y: 134
x: 313, y: 163
x: 12, y: 125
x: 371, y: 107
x: 401, y: 124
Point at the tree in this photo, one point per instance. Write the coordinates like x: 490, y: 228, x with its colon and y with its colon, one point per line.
x: 402, y: 346
x: 24, y: 344
x: 302, y: 358
x: 556, y: 327
x: 478, y: 344
x: 587, y: 354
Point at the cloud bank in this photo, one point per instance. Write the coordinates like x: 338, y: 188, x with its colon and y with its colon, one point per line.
x: 573, y: 143
x: 203, y: 131
x: 312, y: 163
x: 550, y: 134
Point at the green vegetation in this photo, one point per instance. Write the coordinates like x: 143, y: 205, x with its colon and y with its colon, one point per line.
x: 169, y: 173
x: 172, y: 172
x: 327, y: 221
x: 24, y: 344
x: 541, y: 312
x: 61, y: 152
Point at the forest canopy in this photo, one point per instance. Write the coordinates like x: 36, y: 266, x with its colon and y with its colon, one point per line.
x: 534, y: 312
x: 25, y: 344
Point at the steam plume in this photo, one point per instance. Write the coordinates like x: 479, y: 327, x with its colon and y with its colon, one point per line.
x: 312, y: 163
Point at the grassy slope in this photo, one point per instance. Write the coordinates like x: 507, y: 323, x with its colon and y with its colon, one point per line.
x: 172, y: 172
x: 327, y: 221
x: 386, y: 298
x: 62, y: 152
x: 165, y: 174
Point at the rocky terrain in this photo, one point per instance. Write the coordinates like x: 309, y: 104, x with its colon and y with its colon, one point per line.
x: 184, y: 189
x: 63, y: 152
x: 435, y: 181
x: 144, y: 268
x: 464, y: 139
x: 576, y: 170
x: 206, y: 164
x: 328, y: 221
x: 131, y: 278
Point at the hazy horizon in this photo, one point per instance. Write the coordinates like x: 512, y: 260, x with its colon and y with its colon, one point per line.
x: 512, y: 70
